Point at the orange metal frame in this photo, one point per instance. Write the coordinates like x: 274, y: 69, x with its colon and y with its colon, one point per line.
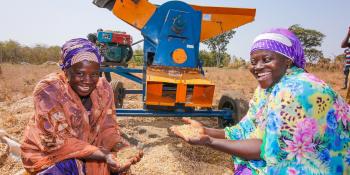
x: 135, y: 14
x: 201, y: 95
x: 218, y: 20
x: 215, y: 21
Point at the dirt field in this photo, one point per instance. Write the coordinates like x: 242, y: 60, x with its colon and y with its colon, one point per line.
x: 164, y: 153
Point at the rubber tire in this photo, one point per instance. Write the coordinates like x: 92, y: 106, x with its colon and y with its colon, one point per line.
x: 130, y: 54
x: 119, y: 94
x: 232, y: 101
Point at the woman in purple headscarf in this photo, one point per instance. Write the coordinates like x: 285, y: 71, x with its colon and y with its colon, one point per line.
x: 296, y: 123
x: 74, y: 128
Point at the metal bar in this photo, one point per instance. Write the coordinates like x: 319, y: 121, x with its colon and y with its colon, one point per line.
x: 139, y: 41
x: 120, y: 69
x: 124, y: 72
x: 153, y: 113
x: 131, y: 77
x: 129, y: 70
x: 133, y: 91
x: 144, y: 75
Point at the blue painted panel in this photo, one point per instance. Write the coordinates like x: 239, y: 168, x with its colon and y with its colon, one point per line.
x: 174, y: 25
x: 104, y: 37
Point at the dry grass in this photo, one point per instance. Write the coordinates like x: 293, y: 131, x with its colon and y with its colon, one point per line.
x: 18, y: 81
x: 10, y: 166
x: 3, y: 152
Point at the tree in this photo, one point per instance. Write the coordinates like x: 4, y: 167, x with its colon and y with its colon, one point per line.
x: 137, y: 59
x: 310, y: 39
x: 207, y: 58
x: 12, y: 51
x: 218, y: 45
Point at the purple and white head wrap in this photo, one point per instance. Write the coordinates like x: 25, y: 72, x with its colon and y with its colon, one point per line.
x: 281, y: 41
x: 77, y: 50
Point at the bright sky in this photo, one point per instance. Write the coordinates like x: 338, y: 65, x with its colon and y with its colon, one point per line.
x: 52, y: 22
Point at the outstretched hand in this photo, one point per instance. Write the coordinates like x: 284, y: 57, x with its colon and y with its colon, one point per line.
x: 195, y: 124
x: 115, y: 166
x: 119, y: 167
x: 200, y: 139
x: 137, y: 157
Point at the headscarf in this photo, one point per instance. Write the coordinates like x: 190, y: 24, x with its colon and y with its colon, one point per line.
x: 281, y: 41
x: 77, y: 50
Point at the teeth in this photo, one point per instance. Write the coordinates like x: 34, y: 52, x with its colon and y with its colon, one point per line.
x: 263, y: 74
x: 84, y: 88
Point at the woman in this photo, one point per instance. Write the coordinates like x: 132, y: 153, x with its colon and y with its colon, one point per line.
x: 296, y: 124
x: 74, y: 127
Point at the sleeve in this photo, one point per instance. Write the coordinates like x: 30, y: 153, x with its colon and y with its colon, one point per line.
x: 109, y: 135
x: 243, y: 130
x: 247, y: 127
x: 46, y: 139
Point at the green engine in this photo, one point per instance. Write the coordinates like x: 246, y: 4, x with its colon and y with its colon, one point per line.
x: 114, y: 46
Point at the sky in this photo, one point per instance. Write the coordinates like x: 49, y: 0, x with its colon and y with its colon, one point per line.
x: 52, y: 22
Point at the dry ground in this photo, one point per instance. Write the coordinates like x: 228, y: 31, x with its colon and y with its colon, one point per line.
x: 164, y: 153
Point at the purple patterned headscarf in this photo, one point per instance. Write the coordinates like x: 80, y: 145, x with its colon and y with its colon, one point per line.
x: 281, y: 41
x: 77, y: 50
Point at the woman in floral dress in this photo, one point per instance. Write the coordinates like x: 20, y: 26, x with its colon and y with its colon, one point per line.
x: 296, y: 123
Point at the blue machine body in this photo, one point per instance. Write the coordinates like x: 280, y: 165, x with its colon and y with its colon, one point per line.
x: 174, y: 25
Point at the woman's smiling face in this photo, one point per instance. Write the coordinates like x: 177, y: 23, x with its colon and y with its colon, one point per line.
x: 83, y: 77
x: 268, y: 67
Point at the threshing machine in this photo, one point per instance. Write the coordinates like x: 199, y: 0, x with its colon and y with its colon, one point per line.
x: 173, y: 81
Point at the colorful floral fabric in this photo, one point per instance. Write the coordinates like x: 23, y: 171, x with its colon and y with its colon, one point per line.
x: 304, y: 126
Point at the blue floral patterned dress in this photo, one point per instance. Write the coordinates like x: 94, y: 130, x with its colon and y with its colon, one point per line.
x: 304, y: 126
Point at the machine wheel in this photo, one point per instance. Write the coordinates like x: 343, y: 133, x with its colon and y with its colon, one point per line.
x: 129, y: 55
x: 234, y: 102
x: 119, y: 93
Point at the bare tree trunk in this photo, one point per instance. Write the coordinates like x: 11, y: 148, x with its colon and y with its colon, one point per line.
x: 218, y: 58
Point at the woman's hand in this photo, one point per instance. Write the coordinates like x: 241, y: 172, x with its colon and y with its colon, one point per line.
x: 201, y: 139
x: 195, y: 124
x: 137, y: 157
x: 120, y: 145
x: 114, y: 166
